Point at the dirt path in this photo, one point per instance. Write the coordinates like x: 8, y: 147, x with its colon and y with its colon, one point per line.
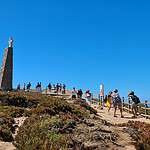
x: 8, y: 145
x: 108, y: 116
x: 124, y: 139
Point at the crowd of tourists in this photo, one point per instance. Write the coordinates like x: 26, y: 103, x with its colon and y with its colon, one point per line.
x: 88, y: 96
x: 114, y: 100
x: 111, y: 100
x: 56, y: 88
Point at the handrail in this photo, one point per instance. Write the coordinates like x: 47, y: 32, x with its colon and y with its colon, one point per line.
x: 127, y: 106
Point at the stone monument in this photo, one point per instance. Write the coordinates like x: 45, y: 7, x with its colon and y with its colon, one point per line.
x: 6, y: 75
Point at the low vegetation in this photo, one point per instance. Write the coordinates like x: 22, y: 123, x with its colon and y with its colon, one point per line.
x: 141, y: 134
x: 55, y: 124
x: 49, y: 119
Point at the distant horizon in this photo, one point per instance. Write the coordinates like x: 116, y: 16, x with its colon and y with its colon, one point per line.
x: 80, y: 43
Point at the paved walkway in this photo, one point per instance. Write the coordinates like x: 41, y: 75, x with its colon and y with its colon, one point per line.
x: 108, y: 116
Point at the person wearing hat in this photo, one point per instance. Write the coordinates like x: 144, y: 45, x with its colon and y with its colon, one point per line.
x: 117, y: 102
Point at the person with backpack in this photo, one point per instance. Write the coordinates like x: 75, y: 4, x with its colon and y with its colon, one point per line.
x: 79, y: 94
x: 117, y: 102
x: 135, y: 102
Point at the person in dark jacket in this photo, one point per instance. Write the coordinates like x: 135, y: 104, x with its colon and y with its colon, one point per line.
x: 135, y: 102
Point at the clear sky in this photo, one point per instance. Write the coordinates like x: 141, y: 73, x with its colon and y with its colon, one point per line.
x: 81, y: 43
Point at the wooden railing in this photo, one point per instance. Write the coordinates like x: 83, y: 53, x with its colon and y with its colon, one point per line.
x: 143, y: 110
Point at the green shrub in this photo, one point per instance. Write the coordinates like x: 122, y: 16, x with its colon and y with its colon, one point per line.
x: 42, y: 134
x: 5, y: 134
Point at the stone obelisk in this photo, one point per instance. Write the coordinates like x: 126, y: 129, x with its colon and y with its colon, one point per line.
x: 6, y: 75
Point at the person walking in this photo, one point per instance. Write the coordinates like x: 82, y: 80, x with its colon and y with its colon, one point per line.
x: 135, y: 103
x: 109, y: 101
x: 117, y: 102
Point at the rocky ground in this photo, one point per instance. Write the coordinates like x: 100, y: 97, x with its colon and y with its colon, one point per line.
x: 40, y: 122
x: 9, y: 145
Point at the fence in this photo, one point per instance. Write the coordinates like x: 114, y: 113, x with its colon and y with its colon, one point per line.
x: 143, y: 109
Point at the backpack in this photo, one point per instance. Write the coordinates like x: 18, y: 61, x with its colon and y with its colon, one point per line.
x: 117, y: 99
x: 135, y: 99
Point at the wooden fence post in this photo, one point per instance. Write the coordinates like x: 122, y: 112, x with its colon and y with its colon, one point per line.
x: 128, y: 104
x: 146, y: 106
x: 99, y: 100
x: 123, y: 101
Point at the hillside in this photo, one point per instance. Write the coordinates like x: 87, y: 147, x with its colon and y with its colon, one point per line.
x: 34, y: 121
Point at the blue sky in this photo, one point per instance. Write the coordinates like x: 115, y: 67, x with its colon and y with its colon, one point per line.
x: 81, y: 43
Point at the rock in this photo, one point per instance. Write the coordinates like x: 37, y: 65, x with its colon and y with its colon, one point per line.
x: 2, y: 121
x: 98, y: 136
x: 102, y: 129
x: 92, y: 116
x: 91, y: 147
x: 76, y: 145
x: 89, y: 123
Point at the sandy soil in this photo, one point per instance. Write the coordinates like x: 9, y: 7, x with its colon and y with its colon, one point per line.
x: 108, y: 116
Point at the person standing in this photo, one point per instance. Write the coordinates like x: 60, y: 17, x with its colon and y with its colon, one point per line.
x: 80, y: 93
x: 57, y: 88
x: 49, y: 87
x: 117, y: 102
x: 135, y: 102
x: 60, y: 86
x: 28, y: 87
x: 18, y: 87
x: 74, y: 93
x: 24, y: 86
x: 37, y: 87
x: 40, y: 87
x: 88, y: 96
x: 64, y: 89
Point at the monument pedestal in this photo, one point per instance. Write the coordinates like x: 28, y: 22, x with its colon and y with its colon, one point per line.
x: 6, y: 75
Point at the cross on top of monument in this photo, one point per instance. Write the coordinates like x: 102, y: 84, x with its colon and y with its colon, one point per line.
x: 10, y: 42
